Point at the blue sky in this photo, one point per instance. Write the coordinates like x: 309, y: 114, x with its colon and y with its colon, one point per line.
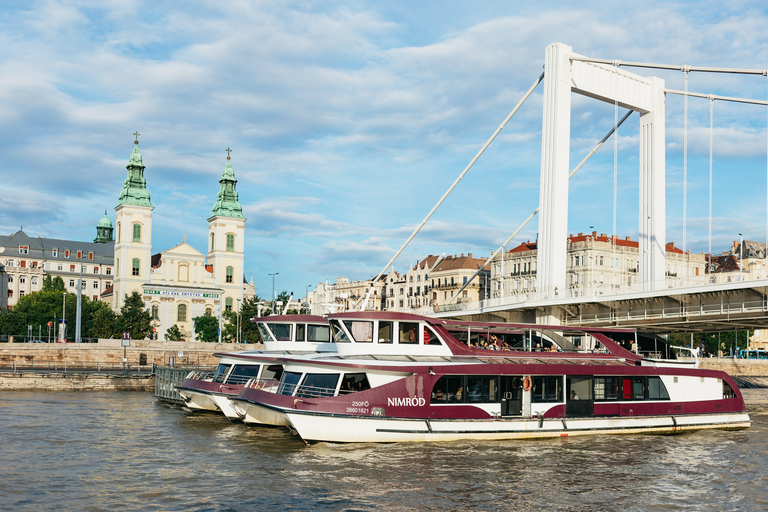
x: 348, y: 121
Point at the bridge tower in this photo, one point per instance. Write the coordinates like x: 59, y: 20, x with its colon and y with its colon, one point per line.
x: 566, y: 72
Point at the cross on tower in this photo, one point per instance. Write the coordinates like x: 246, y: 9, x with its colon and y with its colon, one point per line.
x: 137, y: 137
x: 228, y: 152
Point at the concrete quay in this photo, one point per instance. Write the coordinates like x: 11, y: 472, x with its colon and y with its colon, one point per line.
x: 109, y: 352
x: 97, y: 366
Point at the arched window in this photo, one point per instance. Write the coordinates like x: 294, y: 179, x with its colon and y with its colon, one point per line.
x: 213, y: 246
x: 230, y: 243
x: 135, y: 266
x: 228, y: 304
x: 182, y: 316
x: 155, y: 313
x: 207, y: 311
x: 230, y: 274
x: 137, y: 232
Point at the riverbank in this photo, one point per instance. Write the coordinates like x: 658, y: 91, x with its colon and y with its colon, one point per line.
x: 75, y: 382
x: 111, y: 352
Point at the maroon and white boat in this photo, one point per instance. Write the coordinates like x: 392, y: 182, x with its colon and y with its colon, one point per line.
x: 282, y: 335
x: 402, y: 377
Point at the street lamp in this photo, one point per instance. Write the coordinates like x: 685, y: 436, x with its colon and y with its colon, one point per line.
x: 306, y: 297
x: 273, y: 291
x: 741, y: 254
x: 238, y: 320
x: 63, y: 318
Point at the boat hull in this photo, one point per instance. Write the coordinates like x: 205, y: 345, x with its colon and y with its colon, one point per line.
x: 318, y: 427
x: 255, y: 414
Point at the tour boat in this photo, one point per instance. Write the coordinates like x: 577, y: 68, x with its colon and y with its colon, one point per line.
x: 402, y: 377
x: 282, y: 335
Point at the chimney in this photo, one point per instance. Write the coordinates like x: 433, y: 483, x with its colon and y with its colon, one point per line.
x: 580, y: 234
x: 462, y: 255
x: 594, y: 234
x: 469, y: 255
x: 628, y: 239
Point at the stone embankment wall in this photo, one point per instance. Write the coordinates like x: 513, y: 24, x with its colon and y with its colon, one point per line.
x: 61, y: 382
x: 110, y: 352
x: 739, y: 367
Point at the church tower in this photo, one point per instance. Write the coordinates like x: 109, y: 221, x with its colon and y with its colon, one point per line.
x: 226, y: 241
x: 133, y: 242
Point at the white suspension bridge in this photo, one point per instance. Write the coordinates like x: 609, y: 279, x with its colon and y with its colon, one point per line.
x: 653, y: 302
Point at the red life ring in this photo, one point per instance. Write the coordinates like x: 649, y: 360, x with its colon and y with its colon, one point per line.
x: 527, y: 384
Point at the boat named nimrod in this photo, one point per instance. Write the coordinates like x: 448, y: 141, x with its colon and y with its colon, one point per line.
x: 401, y: 377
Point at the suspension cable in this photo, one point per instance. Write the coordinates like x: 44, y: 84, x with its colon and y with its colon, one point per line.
x: 456, y: 182
x: 685, y: 163
x: 702, y: 69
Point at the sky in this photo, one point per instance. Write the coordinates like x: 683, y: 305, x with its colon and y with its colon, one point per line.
x: 349, y: 120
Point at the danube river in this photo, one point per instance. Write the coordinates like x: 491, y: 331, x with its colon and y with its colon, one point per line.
x: 96, y: 451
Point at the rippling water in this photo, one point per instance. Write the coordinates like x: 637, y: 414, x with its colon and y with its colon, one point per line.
x: 97, y: 451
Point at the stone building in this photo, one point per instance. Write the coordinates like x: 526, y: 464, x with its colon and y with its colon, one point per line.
x: 596, y: 265
x: 450, y: 274
x: 25, y: 261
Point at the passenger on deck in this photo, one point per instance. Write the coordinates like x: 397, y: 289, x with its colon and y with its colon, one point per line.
x: 574, y: 396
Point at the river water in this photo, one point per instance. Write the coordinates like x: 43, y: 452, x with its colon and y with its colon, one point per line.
x: 95, y: 451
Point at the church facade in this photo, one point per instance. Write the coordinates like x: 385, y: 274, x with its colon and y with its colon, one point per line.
x: 180, y: 283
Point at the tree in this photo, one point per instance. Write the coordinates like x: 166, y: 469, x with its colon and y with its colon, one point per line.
x: 229, y: 326
x: 173, y: 333
x: 104, y: 321
x: 53, y: 284
x: 206, y: 328
x: 134, y: 318
x: 249, y: 311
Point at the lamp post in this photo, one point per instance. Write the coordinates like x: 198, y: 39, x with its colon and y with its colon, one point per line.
x: 306, y: 297
x: 63, y: 318
x: 273, y: 291
x: 238, y: 320
x: 741, y: 254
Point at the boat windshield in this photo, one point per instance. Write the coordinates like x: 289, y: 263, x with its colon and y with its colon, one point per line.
x: 317, y: 385
x: 242, y: 372
x: 318, y: 333
x: 221, y: 372
x: 265, y: 334
x: 288, y: 383
x: 282, y: 332
x: 339, y: 336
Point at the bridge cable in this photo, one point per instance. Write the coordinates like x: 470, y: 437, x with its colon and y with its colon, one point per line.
x: 526, y: 221
x: 711, y: 130
x: 450, y: 189
x: 685, y: 162
x: 615, y: 186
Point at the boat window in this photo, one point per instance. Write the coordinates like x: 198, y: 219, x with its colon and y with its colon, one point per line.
x: 288, y: 383
x: 318, y: 333
x: 728, y: 391
x: 385, y: 332
x: 354, y: 382
x: 339, y: 336
x: 362, y: 332
x: 272, y: 372
x: 318, y: 385
x: 607, y: 388
x: 547, y: 389
x: 282, y: 332
x: 221, y: 372
x: 579, y: 388
x: 632, y: 388
x: 300, y: 332
x: 242, y: 372
x: 482, y: 389
x: 265, y: 334
x: 448, y: 389
x: 656, y: 389
x: 409, y: 332
x: 430, y: 338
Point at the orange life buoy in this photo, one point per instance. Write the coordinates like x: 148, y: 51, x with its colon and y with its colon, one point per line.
x: 412, y: 337
x: 258, y: 385
x: 527, y: 384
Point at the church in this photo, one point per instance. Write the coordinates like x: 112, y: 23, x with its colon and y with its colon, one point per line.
x: 180, y: 283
